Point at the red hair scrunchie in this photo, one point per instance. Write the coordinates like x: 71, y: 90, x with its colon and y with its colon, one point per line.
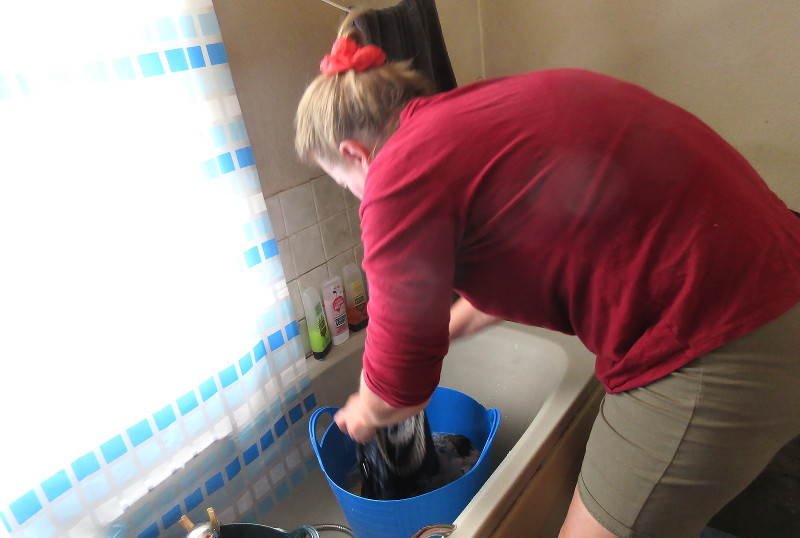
x: 346, y: 55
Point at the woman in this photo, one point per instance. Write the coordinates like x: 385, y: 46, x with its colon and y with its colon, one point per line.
x: 576, y: 202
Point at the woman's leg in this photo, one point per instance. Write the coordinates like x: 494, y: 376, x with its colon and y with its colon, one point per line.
x: 580, y: 523
x: 664, y: 458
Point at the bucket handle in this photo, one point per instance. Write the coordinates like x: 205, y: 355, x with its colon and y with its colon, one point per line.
x: 494, y: 424
x: 312, y: 425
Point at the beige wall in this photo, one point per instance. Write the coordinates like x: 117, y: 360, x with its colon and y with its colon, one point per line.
x: 274, y: 48
x: 735, y: 64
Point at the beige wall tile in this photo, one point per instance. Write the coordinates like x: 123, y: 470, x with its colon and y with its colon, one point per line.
x: 328, y: 197
x: 298, y: 208
x: 307, y: 250
x: 336, y: 235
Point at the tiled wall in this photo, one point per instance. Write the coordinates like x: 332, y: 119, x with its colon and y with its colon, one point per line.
x: 317, y: 228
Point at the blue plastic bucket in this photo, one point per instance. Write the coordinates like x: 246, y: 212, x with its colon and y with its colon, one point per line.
x: 449, y: 411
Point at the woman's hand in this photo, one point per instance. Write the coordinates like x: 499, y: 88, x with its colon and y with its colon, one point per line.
x: 465, y: 319
x: 365, y: 412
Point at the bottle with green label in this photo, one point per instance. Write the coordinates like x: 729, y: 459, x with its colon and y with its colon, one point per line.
x: 318, y: 333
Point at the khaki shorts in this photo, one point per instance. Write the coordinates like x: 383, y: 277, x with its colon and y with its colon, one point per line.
x: 663, y: 459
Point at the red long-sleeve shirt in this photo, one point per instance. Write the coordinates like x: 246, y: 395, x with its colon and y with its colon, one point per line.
x: 573, y: 201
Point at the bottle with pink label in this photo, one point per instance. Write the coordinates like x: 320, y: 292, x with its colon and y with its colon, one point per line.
x: 336, y: 309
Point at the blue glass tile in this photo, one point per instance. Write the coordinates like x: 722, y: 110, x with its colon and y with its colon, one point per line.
x: 150, y: 64
x: 263, y: 370
x: 67, y: 508
x: 193, y: 500
x: 186, y: 23
x: 276, y: 408
x: 259, y: 351
x: 310, y: 402
x: 224, y: 79
x: 210, y: 168
x: 282, y: 358
x: 245, y: 364
x: 249, y: 517
x: 270, y: 318
x: 124, y: 471
x: 295, y: 413
x: 228, y: 376
x: 85, y: 465
x: 218, y: 135
x: 291, y: 394
x: 251, y: 384
x: 292, y: 330
x: 226, y: 163
x: 234, y: 396
x: 238, y: 131
x: 149, y: 532
x: 96, y: 488
x: 270, y: 248
x: 176, y: 59
x: 233, y: 468
x: 286, y: 310
x: 227, y: 449
x: 216, y: 54
x: 281, y: 426
x: 297, y: 477
x: 271, y: 456
x: 196, y: 58
x: 208, y: 389
x: 282, y: 491
x: 264, y: 226
x: 252, y: 257
x: 167, y: 31
x: 173, y: 439
x: 214, y: 483
x: 165, y: 498
x: 194, y: 423
x: 214, y: 408
x: 187, y: 403
x: 208, y: 23
x: 148, y: 454
x: 5, y: 90
x: 41, y: 527
x: 266, y: 440
x: 209, y: 465
x: 123, y: 68
x: 113, y: 448
x: 305, y: 383
x: 56, y: 485
x: 96, y: 72
x: 22, y: 80
x: 250, y: 455
x: 171, y: 517
x: 261, y: 422
x: 249, y: 232
x: 275, y: 340
x: 164, y: 418
x: 245, y: 157
x: 25, y: 507
x: 266, y: 505
x: 139, y: 432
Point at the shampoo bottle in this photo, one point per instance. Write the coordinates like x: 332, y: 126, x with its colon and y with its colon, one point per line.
x: 335, y: 309
x: 318, y: 333
x: 356, y: 297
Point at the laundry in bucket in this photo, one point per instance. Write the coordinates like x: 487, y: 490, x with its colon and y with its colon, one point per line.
x: 407, y: 460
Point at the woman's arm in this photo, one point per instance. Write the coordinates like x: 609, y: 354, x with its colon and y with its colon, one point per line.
x: 365, y: 411
x: 465, y: 319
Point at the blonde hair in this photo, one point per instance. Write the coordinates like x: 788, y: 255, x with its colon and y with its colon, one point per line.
x: 350, y: 105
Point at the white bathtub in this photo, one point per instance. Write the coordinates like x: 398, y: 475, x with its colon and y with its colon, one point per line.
x: 543, y: 384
